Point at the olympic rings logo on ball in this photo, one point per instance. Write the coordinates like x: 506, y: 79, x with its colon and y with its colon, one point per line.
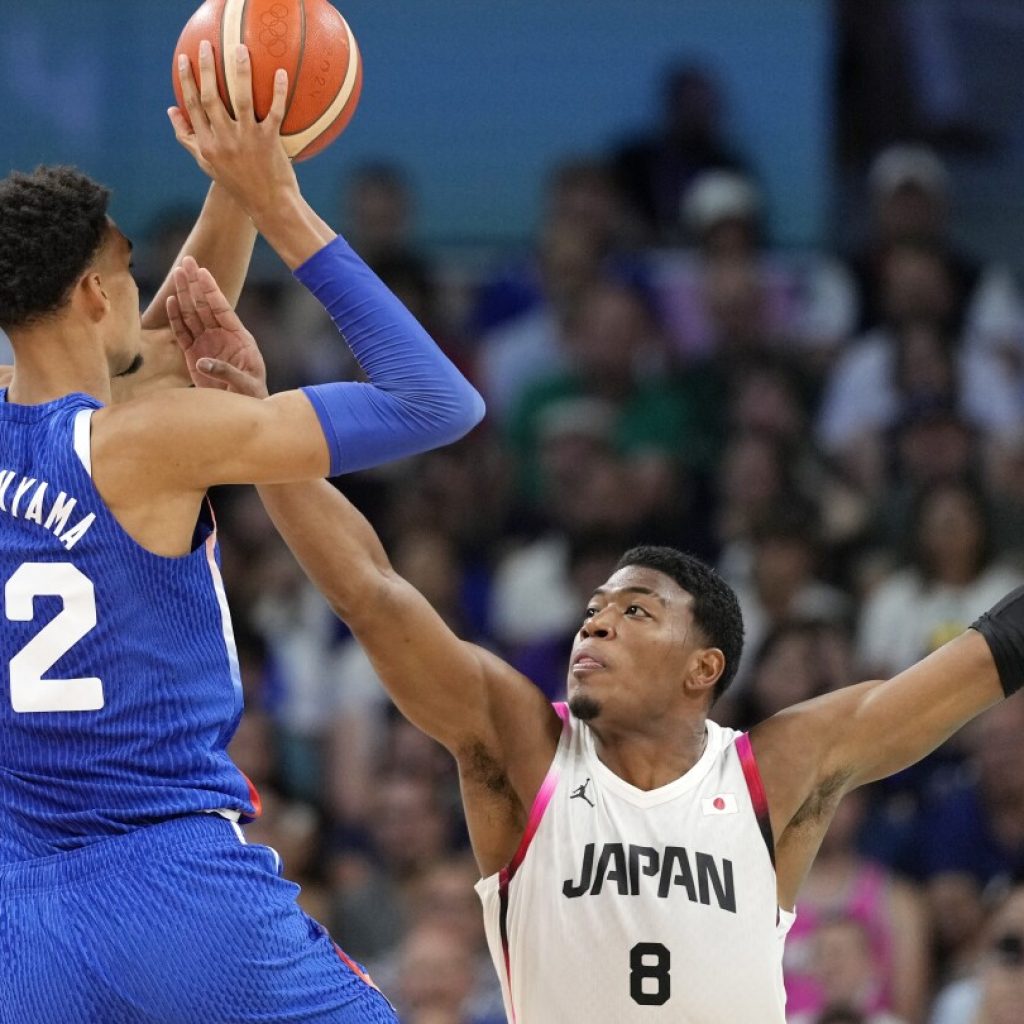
x: 274, y: 33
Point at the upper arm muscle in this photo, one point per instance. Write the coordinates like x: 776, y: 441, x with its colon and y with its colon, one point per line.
x: 193, y: 439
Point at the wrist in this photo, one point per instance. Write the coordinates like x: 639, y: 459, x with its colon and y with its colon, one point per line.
x: 291, y: 226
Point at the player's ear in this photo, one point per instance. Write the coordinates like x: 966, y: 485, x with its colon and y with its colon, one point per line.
x: 706, y: 669
x: 91, y: 296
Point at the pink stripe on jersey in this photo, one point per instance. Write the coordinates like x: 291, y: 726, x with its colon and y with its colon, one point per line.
x: 755, y: 785
x: 540, y: 805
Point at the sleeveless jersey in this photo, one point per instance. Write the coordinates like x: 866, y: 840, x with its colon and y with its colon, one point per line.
x: 625, y: 905
x: 119, y: 687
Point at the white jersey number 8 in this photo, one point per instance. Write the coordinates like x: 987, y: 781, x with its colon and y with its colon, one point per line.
x: 29, y: 690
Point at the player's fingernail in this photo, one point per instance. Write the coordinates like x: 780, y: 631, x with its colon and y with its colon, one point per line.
x: 182, y: 62
x: 205, y: 49
x: 241, y: 53
x: 204, y: 364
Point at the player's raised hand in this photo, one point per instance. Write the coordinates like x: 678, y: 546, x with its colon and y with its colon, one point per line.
x: 243, y: 154
x: 219, y: 352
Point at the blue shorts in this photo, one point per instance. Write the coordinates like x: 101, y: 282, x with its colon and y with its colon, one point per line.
x: 177, y: 923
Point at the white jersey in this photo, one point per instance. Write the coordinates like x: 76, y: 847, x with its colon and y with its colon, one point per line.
x: 622, y: 905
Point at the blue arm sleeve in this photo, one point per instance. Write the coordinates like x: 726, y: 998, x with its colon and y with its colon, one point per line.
x: 415, y: 399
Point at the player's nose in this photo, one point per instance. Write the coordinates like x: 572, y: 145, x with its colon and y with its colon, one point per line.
x: 599, y: 624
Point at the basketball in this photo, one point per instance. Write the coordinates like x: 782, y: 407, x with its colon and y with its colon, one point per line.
x: 308, y: 38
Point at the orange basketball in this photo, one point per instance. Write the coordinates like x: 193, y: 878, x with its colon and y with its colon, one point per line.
x: 308, y: 38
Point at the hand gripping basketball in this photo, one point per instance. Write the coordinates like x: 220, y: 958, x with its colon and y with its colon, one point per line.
x: 243, y: 154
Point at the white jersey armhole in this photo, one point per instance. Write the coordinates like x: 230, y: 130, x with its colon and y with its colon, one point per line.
x: 83, y: 438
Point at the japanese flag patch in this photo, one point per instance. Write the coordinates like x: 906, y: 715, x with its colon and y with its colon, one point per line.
x: 724, y: 803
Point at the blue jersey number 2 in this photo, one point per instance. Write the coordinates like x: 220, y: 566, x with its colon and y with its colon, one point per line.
x: 30, y: 691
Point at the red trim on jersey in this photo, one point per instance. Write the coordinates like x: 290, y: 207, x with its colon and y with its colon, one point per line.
x: 254, y: 799
x: 353, y: 966
x: 755, y: 785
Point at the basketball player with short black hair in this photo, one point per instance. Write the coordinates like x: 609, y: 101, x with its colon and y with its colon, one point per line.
x: 127, y: 892
x: 639, y: 861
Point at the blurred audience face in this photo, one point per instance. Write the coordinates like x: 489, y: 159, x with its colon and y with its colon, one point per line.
x: 429, y: 561
x: 765, y: 399
x: 916, y: 286
x: 785, y: 673
x: 587, y: 486
x: 736, y: 307
x: 445, y: 897
x: 436, y: 972
x: 750, y: 476
x: 910, y: 211
x: 610, y: 333
x: 407, y: 825
x: 582, y: 193
x: 934, y: 447
x: 926, y: 370
x: 692, y: 106
x: 997, y: 742
x: 414, y: 754
x: 843, y: 963
x: 783, y: 565
x: 378, y: 210
x: 570, y: 257
x: 950, y: 531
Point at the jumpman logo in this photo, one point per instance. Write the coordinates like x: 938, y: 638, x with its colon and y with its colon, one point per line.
x: 581, y: 792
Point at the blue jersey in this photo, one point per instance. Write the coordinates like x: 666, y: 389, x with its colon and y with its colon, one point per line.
x: 120, y: 688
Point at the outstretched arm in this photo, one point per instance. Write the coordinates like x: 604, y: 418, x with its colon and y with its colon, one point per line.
x: 813, y: 753
x: 498, y: 725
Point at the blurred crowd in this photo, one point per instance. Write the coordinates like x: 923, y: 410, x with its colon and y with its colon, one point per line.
x: 840, y: 433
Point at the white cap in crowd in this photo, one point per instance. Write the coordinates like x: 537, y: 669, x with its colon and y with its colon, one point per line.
x: 908, y: 164
x: 715, y: 196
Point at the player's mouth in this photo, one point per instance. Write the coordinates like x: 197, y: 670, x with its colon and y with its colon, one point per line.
x: 584, y: 662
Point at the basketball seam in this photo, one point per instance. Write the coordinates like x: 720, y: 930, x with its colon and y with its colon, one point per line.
x: 224, y: 65
x: 230, y: 76
x: 344, y: 93
x: 302, y: 53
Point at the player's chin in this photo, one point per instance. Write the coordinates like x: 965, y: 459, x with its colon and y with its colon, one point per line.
x: 583, y: 705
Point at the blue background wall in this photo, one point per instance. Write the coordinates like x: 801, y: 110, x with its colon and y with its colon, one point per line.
x: 476, y: 97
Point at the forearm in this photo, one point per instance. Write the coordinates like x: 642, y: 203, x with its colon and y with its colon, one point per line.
x: 415, y: 399
x: 222, y: 241
x: 332, y: 541
x: 293, y: 229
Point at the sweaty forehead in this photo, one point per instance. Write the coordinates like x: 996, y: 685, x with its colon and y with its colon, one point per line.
x: 659, y: 583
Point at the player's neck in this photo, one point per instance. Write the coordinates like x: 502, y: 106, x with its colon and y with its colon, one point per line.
x: 651, y: 759
x: 53, y: 361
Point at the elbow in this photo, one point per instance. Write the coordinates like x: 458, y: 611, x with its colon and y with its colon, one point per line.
x: 466, y: 408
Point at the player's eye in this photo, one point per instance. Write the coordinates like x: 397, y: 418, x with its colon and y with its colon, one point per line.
x: 635, y: 609
x: 590, y: 613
